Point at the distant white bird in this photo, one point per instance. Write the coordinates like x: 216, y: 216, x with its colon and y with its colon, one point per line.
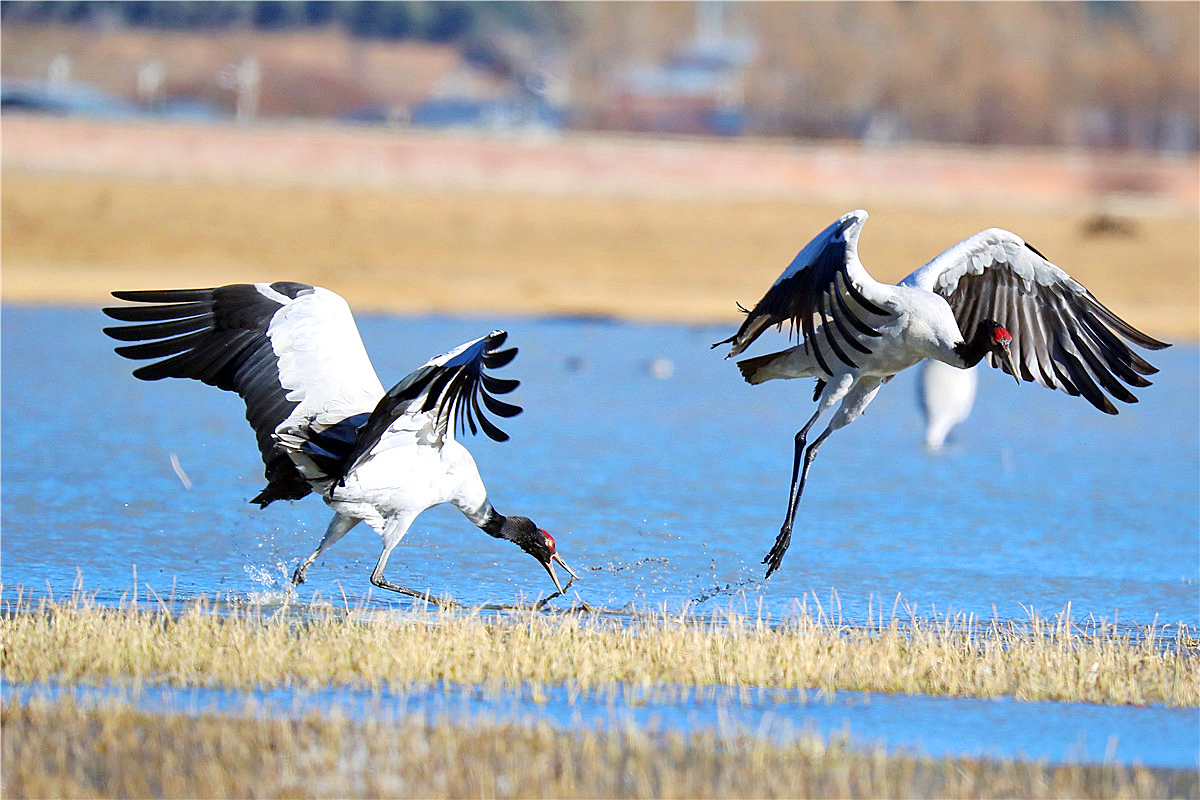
x: 323, y: 421
x: 990, y: 295
x: 945, y: 394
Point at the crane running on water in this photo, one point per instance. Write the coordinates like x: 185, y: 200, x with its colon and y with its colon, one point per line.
x: 991, y: 295
x: 323, y: 421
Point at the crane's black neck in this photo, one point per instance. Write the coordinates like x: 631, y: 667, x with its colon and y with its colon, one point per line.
x: 493, y: 524
x: 519, y: 530
x: 972, y: 350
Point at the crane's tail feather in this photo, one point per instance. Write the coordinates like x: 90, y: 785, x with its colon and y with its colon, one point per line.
x: 758, y: 369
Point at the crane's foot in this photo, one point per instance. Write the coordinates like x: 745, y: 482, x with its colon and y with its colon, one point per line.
x: 775, y: 557
x: 298, y: 575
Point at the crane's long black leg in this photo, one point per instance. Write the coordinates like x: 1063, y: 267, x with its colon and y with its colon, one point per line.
x: 854, y: 400
x: 775, y: 557
x: 785, y: 533
x: 810, y: 455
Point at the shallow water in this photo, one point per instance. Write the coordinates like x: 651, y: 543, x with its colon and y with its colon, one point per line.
x: 663, y: 478
x: 659, y: 491
x: 1153, y: 736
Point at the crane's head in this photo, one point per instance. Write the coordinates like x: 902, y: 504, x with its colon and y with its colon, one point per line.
x: 1000, y: 343
x: 539, y: 544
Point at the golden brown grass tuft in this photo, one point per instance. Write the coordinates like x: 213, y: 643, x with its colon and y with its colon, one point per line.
x: 64, y: 750
x: 242, y: 647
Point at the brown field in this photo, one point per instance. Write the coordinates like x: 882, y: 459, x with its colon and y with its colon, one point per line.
x: 635, y: 229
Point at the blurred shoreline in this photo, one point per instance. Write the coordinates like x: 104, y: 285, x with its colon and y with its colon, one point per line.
x: 331, y: 154
x: 640, y: 228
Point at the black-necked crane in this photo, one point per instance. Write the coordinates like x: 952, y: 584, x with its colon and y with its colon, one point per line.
x: 945, y: 395
x: 323, y: 422
x: 991, y: 295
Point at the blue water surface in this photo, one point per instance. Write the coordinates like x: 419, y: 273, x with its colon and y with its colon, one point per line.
x: 660, y: 491
x: 664, y: 479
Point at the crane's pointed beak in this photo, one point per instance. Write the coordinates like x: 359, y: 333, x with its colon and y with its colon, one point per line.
x: 549, y: 565
x: 1006, y: 353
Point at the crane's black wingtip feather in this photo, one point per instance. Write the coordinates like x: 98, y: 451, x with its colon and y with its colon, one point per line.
x: 498, y: 358
x: 499, y: 385
x: 1036, y: 251
x: 163, y: 295
x: 498, y: 407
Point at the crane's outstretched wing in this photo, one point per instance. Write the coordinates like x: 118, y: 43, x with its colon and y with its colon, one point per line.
x: 290, y: 350
x: 444, y: 394
x: 1063, y: 337
x: 825, y: 289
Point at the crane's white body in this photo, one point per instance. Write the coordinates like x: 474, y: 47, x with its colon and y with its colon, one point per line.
x: 921, y: 326
x: 389, y: 491
x: 434, y: 476
x: 414, y: 465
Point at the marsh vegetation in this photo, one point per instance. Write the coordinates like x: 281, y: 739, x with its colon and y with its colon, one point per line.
x: 64, y: 749
x: 245, y: 647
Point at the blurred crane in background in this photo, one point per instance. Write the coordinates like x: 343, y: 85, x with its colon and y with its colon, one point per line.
x: 945, y: 395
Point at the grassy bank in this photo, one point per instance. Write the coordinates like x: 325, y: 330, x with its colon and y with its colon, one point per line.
x: 64, y: 750
x: 76, y: 641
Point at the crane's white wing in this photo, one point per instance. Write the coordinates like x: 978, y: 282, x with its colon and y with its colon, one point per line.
x: 825, y: 289
x: 1063, y: 337
x: 290, y: 350
x: 449, y: 392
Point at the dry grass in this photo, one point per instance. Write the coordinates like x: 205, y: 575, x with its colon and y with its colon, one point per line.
x: 64, y: 750
x: 76, y: 641
x: 75, y: 237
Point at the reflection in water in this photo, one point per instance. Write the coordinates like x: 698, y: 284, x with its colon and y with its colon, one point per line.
x: 936, y: 726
